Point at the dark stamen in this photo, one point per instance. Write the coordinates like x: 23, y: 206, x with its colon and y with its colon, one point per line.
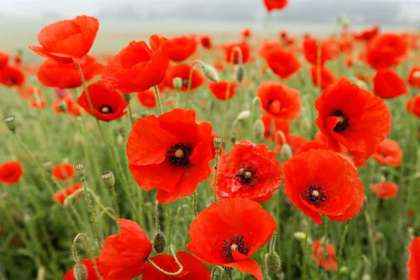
x: 344, y: 122
x: 314, y: 195
x: 246, y: 176
x: 178, y: 155
x: 236, y: 243
x: 106, y: 109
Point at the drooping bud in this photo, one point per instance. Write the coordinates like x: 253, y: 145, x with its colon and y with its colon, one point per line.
x: 239, y: 73
x: 80, y: 271
x: 299, y: 236
x: 273, y: 262
x: 366, y: 277
x: 177, y: 83
x: 286, y: 151
x: 209, y: 71
x: 344, y: 270
x: 243, y: 115
x: 258, y: 128
x: 108, y: 178
x: 159, y: 242
x: 10, y: 122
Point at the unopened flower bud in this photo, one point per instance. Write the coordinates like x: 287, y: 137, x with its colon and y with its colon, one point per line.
x: 108, y: 178
x: 209, y: 71
x: 366, y: 277
x: 299, y: 236
x: 259, y: 129
x: 159, y: 242
x: 243, y: 115
x: 344, y: 270
x: 286, y: 151
x: 81, y: 172
x: 177, y: 83
x: 80, y: 271
x: 10, y: 122
x: 239, y: 73
x: 273, y: 262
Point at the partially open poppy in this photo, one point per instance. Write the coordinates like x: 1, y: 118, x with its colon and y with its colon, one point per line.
x: 182, y: 47
x: 414, y: 77
x: 337, y: 194
x: 413, y: 106
x: 248, y: 171
x: 62, y: 195
x: 191, y: 78
x: 65, y: 104
x: 89, y: 264
x: 272, y: 5
x: 278, y: 100
x: 237, y: 53
x: 385, y: 190
x: 206, y: 42
x: 354, y: 118
x: 170, y: 153
x: 272, y: 126
x: 222, y: 90
x: 324, y: 255
x: 386, y: 50
x: 282, y: 63
x: 193, y: 269
x: 322, y: 73
x: 11, y: 76
x: 10, y: 172
x: 229, y: 232
x: 413, y: 263
x: 63, y: 75
x: 67, y: 40
x: 315, y: 56
x: 387, y: 84
x: 246, y: 33
x: 388, y: 153
x: 63, y: 172
x: 147, y: 98
x: 4, y: 59
x: 123, y: 255
x: 103, y: 102
x: 138, y: 66
x: 367, y: 34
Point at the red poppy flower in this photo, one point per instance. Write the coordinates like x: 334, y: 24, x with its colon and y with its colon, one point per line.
x: 414, y: 77
x: 282, y: 63
x: 311, y: 52
x: 237, y: 53
x: 413, y: 263
x: 248, y: 171
x: 229, y: 232
x: 193, y: 269
x: 147, y: 98
x: 70, y: 191
x: 104, y: 103
x: 65, y: 104
x: 123, y: 255
x: 326, y: 76
x: 272, y: 5
x: 182, y: 47
x: 10, y: 172
x: 337, y: 194
x: 11, y: 76
x: 222, y: 90
x: 90, y: 268
x: 246, y: 33
x: 63, y: 172
x: 56, y: 74
x: 4, y: 59
x: 388, y: 153
x: 367, y: 34
x: 206, y: 42
x: 272, y: 126
x: 413, y: 106
x: 184, y: 72
x: 385, y: 190
x: 386, y: 50
x: 170, y: 153
x: 66, y: 40
x: 138, y: 67
x: 279, y: 101
x: 324, y: 255
x: 387, y: 84
x: 354, y: 118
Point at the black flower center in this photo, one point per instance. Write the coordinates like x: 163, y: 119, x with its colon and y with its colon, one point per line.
x: 236, y: 243
x: 343, y: 123
x: 178, y: 154
x: 106, y: 109
x: 314, y: 195
x: 246, y: 176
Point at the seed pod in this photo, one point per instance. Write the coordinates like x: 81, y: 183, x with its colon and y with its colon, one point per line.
x: 177, y: 83
x: 80, y: 271
x: 108, y: 178
x: 273, y: 262
x: 159, y: 242
x: 209, y: 71
x: 10, y: 122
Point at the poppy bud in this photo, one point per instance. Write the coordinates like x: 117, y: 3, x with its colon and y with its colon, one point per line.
x: 344, y: 270
x: 108, y: 178
x: 127, y: 97
x: 299, y: 236
x: 81, y: 172
x: 159, y: 242
x: 286, y: 151
x: 239, y: 73
x: 177, y: 83
x: 259, y: 129
x: 209, y: 71
x: 80, y: 271
x: 243, y: 115
x: 366, y: 277
x: 10, y: 122
x: 273, y: 262
x: 48, y: 166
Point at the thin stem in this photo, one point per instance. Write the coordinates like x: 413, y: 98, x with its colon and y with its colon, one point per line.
x: 161, y: 270
x: 157, y: 94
